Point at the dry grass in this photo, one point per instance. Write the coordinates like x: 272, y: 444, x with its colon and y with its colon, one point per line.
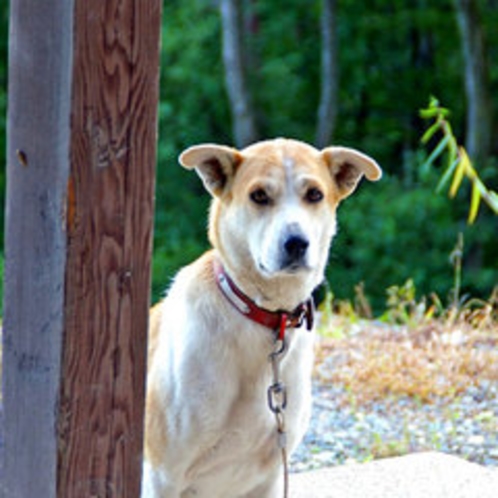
x: 428, y: 358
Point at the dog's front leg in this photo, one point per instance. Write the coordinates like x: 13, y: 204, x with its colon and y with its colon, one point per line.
x: 155, y: 485
x: 272, y: 488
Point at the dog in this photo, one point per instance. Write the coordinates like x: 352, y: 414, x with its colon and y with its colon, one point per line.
x: 209, y: 431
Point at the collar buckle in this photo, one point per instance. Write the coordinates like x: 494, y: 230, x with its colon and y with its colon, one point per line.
x: 305, y: 312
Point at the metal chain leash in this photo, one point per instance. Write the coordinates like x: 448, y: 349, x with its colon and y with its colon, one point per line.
x: 277, y: 402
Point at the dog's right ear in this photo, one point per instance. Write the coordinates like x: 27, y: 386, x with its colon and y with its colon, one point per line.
x: 215, y: 164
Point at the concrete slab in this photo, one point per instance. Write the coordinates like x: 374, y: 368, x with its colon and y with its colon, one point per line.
x: 419, y: 475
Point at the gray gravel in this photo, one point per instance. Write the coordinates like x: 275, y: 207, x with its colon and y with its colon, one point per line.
x: 341, y: 432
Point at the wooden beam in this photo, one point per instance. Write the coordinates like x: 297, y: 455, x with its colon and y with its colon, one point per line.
x: 35, y: 243
x: 79, y: 231
x: 109, y: 227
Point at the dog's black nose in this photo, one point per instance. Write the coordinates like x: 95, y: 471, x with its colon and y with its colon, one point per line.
x: 295, y: 247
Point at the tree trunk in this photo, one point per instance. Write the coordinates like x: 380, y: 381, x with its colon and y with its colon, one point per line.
x: 243, y: 116
x: 479, y: 113
x: 327, y: 109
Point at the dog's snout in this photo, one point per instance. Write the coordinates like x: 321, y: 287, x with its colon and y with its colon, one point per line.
x: 295, y: 247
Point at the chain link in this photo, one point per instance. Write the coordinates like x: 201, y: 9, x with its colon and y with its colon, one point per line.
x: 277, y: 402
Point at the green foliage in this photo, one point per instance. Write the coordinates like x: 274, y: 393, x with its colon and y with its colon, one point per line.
x: 193, y: 109
x: 458, y: 164
x: 391, y: 233
x: 391, y: 58
x: 180, y: 227
x: 402, y: 305
x: 285, y: 66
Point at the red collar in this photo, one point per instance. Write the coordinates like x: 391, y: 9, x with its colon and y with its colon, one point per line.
x: 277, y: 321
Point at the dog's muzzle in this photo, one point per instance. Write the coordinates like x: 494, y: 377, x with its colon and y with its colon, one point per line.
x: 294, y: 252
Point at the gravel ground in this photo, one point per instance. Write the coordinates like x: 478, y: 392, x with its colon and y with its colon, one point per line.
x: 341, y: 432
x: 344, y: 431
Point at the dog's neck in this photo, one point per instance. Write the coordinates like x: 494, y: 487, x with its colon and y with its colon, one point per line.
x: 281, y: 292
x: 278, y: 321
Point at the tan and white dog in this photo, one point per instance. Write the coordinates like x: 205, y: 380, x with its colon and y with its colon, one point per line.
x: 209, y: 432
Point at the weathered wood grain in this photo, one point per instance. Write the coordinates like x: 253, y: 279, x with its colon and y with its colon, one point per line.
x: 109, y: 228
x: 40, y: 52
x: 83, y: 94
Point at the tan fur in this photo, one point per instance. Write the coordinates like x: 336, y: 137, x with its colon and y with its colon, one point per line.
x: 209, y: 432
x: 155, y: 317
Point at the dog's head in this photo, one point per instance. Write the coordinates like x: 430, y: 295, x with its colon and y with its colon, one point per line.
x: 275, y: 202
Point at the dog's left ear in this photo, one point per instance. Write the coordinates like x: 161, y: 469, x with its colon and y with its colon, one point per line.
x: 348, y: 166
x: 215, y: 164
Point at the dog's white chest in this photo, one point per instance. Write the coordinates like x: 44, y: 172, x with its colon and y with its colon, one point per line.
x: 246, y: 446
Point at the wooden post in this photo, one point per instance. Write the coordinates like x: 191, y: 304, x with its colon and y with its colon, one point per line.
x: 37, y: 169
x: 83, y: 93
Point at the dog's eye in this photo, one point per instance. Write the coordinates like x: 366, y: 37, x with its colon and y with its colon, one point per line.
x: 314, y: 195
x: 259, y: 196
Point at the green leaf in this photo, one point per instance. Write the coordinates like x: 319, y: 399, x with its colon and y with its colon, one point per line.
x: 430, y: 132
x: 459, y: 172
x: 457, y: 180
x: 447, y: 175
x: 429, y: 113
x: 437, y: 151
x: 493, y: 201
x: 489, y: 196
x: 474, y: 203
x: 434, y: 111
x: 482, y: 188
